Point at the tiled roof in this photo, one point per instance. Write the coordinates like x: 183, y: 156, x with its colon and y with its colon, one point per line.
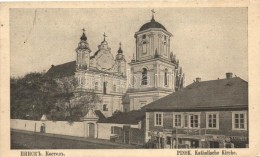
x: 223, y: 93
x: 62, y: 70
x: 132, y: 117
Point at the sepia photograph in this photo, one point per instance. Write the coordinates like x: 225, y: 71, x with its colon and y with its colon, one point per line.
x: 129, y: 78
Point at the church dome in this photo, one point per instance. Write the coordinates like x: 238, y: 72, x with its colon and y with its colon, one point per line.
x: 152, y: 24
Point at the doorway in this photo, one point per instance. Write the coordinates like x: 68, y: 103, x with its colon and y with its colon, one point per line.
x: 43, y: 128
x: 91, y: 130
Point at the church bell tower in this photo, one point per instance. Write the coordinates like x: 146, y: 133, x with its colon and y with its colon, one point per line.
x: 120, y: 61
x: 154, y: 69
x: 83, y: 53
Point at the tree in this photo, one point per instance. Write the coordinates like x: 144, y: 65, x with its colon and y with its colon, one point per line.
x: 116, y: 113
x: 83, y: 101
x: 32, y: 96
x: 36, y: 94
x: 67, y: 86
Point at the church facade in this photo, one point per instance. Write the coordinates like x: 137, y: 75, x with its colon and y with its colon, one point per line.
x: 101, y: 73
x: 154, y: 73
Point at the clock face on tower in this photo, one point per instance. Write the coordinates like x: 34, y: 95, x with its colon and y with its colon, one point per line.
x: 106, y: 61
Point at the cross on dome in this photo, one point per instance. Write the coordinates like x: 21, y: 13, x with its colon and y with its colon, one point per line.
x: 104, y: 35
x: 153, y: 12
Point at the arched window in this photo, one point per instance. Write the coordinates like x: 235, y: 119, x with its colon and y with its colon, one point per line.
x: 165, y: 48
x: 166, y: 77
x: 105, y: 88
x: 96, y: 85
x: 105, y: 107
x: 144, y: 47
x: 114, y: 88
x: 144, y: 76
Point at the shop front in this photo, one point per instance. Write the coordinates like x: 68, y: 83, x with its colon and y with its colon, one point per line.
x: 169, y: 140
x: 238, y: 141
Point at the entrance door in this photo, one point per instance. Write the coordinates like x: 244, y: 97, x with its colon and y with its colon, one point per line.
x: 194, y: 144
x: 91, y: 130
x: 126, y: 130
x: 42, y: 130
x: 126, y: 136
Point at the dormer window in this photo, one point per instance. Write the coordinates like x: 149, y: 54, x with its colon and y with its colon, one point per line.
x: 144, y: 36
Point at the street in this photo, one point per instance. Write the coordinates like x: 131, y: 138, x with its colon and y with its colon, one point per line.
x: 30, y: 140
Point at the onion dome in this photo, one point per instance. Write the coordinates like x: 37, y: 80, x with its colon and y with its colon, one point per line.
x: 120, y: 49
x: 83, y: 37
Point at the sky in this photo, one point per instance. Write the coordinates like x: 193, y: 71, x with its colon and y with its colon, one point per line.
x: 208, y: 42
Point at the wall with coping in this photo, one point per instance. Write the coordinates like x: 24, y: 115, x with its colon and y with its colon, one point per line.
x: 52, y: 127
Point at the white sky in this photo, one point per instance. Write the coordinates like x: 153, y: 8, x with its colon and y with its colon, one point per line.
x: 208, y: 41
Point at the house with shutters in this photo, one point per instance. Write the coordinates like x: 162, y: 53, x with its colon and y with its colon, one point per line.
x: 205, y: 114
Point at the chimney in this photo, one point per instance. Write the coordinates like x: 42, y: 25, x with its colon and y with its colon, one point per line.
x: 198, y: 79
x: 229, y: 75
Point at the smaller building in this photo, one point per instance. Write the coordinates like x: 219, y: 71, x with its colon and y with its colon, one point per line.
x: 205, y: 114
x: 127, y: 127
x: 122, y: 127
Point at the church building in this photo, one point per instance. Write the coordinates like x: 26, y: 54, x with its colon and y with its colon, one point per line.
x: 155, y: 71
x: 99, y: 73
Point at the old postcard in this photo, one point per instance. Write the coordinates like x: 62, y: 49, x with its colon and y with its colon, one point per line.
x: 130, y: 78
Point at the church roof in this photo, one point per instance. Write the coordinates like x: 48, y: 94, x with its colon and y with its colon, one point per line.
x: 152, y: 24
x: 62, y: 70
x: 68, y: 69
x: 100, y: 114
x: 208, y: 95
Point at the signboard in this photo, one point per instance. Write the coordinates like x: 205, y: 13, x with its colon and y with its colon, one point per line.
x: 238, y: 138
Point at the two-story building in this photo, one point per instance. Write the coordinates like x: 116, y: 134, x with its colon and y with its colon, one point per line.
x: 205, y: 114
